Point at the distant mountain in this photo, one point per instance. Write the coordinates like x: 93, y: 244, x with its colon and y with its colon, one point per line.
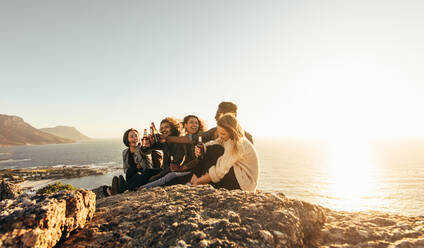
x: 66, y: 132
x: 14, y: 131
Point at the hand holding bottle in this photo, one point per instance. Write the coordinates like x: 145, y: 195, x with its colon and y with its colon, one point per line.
x: 172, y: 165
x: 200, y: 149
x: 145, y: 142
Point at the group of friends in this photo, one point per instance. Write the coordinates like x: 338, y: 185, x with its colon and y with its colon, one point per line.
x: 226, y: 157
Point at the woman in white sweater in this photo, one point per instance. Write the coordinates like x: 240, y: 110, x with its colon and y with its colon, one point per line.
x: 238, y: 167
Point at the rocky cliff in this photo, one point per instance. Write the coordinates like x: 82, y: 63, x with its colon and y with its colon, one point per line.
x: 14, y: 131
x: 184, y: 216
x: 42, y: 221
x: 66, y: 132
x: 371, y: 229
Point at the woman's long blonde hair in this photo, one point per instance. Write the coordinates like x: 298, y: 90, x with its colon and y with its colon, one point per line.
x: 230, y: 124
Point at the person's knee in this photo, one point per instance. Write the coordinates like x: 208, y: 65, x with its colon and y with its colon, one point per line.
x: 213, y: 153
x: 217, y: 150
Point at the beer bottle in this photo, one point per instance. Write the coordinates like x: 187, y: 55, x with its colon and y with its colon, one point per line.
x: 151, y: 137
x: 201, y: 146
x: 155, y: 134
x: 145, y: 142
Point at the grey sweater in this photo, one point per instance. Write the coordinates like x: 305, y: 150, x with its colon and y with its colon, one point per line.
x: 140, y: 158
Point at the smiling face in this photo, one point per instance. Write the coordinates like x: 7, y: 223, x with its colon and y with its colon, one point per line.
x: 133, y: 138
x: 165, y: 129
x: 192, y: 125
x: 223, y: 133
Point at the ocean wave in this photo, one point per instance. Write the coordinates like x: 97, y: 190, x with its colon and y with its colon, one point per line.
x: 4, y: 153
x: 59, y: 165
x: 14, y: 160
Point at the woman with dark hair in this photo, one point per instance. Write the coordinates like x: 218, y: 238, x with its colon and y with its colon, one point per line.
x: 238, y: 167
x: 180, y: 168
x: 137, y: 165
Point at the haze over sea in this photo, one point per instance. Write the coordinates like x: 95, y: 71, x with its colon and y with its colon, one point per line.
x: 385, y: 176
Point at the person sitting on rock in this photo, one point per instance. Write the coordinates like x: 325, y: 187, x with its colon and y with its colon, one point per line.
x: 237, y: 168
x: 180, y: 169
x: 138, y: 166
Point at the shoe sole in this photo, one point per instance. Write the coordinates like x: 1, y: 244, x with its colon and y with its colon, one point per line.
x: 115, y: 186
x: 122, y: 184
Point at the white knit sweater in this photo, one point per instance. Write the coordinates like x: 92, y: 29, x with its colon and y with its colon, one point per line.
x: 246, y: 164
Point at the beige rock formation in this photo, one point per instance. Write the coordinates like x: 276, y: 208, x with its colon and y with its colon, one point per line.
x: 371, y: 229
x: 184, y: 216
x: 41, y: 221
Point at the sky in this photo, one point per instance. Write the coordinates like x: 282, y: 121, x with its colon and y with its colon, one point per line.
x: 305, y: 69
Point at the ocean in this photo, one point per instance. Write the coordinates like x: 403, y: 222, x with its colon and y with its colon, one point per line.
x: 353, y: 176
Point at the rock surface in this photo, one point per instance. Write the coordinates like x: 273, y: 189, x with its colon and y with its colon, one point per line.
x: 9, y: 191
x: 184, y: 216
x: 41, y: 221
x: 99, y: 191
x: 371, y: 229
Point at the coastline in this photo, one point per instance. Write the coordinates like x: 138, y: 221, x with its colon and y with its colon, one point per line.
x: 33, y: 185
x: 31, y: 178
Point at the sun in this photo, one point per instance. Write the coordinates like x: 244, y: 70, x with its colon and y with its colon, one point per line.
x: 353, y: 183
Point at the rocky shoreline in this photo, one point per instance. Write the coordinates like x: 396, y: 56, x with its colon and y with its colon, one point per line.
x: 184, y: 216
x: 19, y: 176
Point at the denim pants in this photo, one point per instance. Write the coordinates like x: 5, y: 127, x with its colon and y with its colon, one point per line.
x: 163, y: 180
x: 136, y: 180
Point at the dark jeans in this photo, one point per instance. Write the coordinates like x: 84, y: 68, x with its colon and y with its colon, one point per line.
x: 229, y: 181
x: 135, y: 180
x: 212, y: 154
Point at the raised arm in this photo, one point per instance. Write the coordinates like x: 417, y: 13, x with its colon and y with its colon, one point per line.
x: 178, y: 139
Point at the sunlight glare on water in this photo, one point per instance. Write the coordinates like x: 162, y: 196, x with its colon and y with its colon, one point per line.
x: 352, y: 183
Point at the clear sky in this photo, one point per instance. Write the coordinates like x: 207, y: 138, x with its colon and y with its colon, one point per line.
x: 295, y: 68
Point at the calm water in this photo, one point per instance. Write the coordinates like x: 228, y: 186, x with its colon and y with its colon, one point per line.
x: 385, y: 176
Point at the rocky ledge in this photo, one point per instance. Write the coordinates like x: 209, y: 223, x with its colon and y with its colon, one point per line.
x: 41, y: 221
x: 371, y: 229
x: 184, y: 216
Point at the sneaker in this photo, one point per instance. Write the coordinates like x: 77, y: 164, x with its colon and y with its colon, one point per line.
x: 115, y: 185
x: 122, y: 184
